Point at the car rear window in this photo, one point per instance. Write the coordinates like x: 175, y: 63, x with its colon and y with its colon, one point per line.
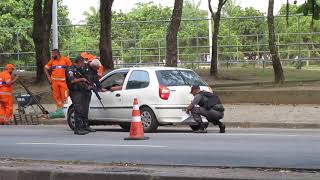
x: 179, y: 78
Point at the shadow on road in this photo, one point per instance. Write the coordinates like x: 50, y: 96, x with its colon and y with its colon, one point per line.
x: 162, y: 130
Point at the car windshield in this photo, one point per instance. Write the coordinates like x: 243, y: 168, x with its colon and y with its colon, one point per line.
x: 179, y: 78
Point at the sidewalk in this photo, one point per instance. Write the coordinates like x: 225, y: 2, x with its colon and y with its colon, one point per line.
x: 58, y: 170
x: 273, y: 116
x: 254, y: 115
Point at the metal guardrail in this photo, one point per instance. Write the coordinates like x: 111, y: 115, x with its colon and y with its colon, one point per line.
x: 192, y: 63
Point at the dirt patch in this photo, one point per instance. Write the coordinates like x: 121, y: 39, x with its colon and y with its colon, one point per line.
x: 43, y: 89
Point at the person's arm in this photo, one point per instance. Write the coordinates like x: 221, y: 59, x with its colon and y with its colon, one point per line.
x: 194, y: 102
x: 116, y: 88
x: 73, y: 80
x: 69, y: 63
x: 96, y: 80
x: 79, y: 80
x: 46, y: 71
x: 11, y: 81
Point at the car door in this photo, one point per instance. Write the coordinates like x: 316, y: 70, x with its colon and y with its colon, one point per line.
x: 137, y: 86
x: 112, y: 100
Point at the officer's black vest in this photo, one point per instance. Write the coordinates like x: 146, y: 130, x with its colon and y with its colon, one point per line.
x: 210, y: 100
x: 91, y: 74
x: 77, y: 86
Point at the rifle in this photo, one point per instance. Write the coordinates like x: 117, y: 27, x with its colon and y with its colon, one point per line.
x: 44, y: 111
x: 94, y: 88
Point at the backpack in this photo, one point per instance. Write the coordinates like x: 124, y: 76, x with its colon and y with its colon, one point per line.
x: 211, y: 101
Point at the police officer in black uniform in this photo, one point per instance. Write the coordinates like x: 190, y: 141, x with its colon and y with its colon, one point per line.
x: 79, y: 94
x: 90, y: 72
x: 208, y: 105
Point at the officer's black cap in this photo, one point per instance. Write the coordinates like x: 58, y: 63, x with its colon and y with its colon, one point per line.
x: 194, y: 87
x: 78, y: 59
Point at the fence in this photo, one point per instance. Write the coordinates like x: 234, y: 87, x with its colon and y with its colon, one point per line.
x: 242, y: 40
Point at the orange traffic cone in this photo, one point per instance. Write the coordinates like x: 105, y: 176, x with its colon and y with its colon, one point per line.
x: 136, y: 129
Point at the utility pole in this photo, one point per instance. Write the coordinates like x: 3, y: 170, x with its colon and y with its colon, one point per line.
x: 55, y: 32
x: 210, y: 35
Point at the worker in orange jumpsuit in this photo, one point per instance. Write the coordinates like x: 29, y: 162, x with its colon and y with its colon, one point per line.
x: 57, y: 65
x: 6, y: 99
x: 89, y: 57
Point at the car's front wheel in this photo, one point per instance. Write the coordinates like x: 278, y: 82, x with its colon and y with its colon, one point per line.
x: 70, y: 118
x: 149, y: 120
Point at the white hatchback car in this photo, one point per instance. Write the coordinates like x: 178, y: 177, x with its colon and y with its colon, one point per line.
x: 163, y: 94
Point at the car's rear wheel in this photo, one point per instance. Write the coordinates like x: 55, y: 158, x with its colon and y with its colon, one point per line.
x: 149, y: 120
x: 197, y: 126
x: 70, y: 118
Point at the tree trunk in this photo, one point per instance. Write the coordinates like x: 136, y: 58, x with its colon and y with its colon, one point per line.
x: 172, y: 49
x: 216, y: 20
x: 42, y: 16
x: 277, y: 67
x: 105, y: 34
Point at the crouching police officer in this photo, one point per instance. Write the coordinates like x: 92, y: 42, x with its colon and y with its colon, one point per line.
x: 79, y: 94
x: 208, y: 105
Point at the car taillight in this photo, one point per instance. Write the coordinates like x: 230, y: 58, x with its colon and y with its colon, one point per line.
x: 164, y: 92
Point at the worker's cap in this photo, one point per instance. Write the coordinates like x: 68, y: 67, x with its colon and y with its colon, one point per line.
x: 194, y: 87
x: 84, y: 54
x: 88, y: 56
x: 9, y: 66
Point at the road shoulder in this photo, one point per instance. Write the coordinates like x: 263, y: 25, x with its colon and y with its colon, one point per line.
x: 11, y: 169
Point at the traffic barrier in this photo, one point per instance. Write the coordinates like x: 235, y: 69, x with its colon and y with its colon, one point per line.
x: 136, y: 128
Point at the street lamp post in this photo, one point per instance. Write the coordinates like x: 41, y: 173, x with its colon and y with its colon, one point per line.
x: 210, y: 35
x: 55, y: 32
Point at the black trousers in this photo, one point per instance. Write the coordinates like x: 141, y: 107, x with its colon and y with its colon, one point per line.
x: 81, y: 101
x: 212, y: 116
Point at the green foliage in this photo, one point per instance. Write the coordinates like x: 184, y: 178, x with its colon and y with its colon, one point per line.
x: 142, y: 31
x: 310, y: 7
x: 16, y: 20
x: 290, y: 34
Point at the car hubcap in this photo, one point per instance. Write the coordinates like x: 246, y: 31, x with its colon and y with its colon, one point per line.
x: 72, y: 119
x: 146, y: 119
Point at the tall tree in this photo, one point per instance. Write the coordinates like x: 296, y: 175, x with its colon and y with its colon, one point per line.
x: 105, y: 34
x: 15, y: 16
x: 171, y: 39
x: 216, y: 20
x: 277, y: 67
x: 42, y: 18
x: 310, y: 7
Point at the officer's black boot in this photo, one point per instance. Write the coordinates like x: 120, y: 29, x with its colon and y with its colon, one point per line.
x: 202, y: 129
x: 88, y: 128
x: 78, y: 130
x: 222, y: 127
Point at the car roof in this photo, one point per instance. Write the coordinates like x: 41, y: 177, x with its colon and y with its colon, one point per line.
x: 152, y: 68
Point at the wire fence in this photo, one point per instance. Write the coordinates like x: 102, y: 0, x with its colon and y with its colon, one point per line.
x: 242, y: 41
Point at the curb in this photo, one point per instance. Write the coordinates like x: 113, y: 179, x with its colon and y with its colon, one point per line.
x: 272, y: 125
x: 53, y: 122
x: 258, y: 83
x: 23, y: 174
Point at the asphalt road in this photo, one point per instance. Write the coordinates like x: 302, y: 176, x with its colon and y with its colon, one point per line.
x: 274, y: 148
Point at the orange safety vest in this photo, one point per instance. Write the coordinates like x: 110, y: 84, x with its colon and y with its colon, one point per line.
x: 4, y: 87
x: 58, y: 67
